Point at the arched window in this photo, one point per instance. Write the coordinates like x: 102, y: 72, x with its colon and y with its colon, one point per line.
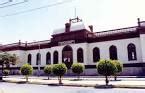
x: 96, y: 54
x: 80, y: 56
x: 38, y: 59
x: 29, y: 59
x: 55, y: 57
x: 48, y: 58
x: 131, y: 52
x: 113, y: 52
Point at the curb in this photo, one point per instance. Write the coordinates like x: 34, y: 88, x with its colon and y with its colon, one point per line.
x: 79, y: 85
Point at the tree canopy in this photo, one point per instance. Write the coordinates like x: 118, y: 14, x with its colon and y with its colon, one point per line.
x: 78, y: 68
x: 7, y: 59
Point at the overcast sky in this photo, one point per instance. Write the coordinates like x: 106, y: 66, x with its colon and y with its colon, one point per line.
x: 38, y: 25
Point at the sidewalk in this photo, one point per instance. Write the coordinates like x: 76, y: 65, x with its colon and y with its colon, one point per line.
x: 84, y: 82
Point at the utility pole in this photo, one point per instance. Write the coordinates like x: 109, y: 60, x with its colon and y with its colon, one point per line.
x: 39, y: 57
x: 75, y: 13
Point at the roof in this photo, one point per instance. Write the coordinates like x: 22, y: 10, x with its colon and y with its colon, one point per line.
x: 74, y: 27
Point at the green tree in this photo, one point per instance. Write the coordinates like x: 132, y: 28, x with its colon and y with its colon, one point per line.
x: 78, y: 68
x: 26, y: 70
x: 106, y: 68
x: 119, y: 67
x: 59, y: 70
x: 48, y: 70
x: 7, y: 59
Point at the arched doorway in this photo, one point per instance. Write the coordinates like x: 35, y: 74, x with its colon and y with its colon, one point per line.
x: 67, y: 56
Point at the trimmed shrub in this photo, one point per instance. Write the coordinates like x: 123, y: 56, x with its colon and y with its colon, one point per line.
x: 26, y: 70
x: 119, y: 67
x: 78, y: 68
x: 106, y: 68
x: 59, y: 70
x: 6, y: 72
x: 48, y: 70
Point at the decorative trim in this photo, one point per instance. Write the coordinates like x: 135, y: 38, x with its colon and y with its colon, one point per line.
x: 90, y: 66
x: 141, y: 30
x: 134, y: 65
x: 18, y: 68
x: 124, y: 65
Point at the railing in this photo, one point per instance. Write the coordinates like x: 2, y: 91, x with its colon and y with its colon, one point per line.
x: 38, y: 43
x: 13, y: 44
x: 116, y: 31
x: 24, y: 44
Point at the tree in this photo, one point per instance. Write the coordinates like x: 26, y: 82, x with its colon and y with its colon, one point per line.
x: 119, y: 67
x: 7, y: 59
x: 59, y: 70
x: 78, y: 68
x: 48, y: 70
x: 106, y: 68
x: 26, y: 70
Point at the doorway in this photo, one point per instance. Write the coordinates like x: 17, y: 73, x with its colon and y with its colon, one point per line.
x: 67, y: 56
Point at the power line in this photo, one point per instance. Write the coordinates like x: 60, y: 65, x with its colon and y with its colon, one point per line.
x: 38, y: 8
x: 6, y: 2
x: 14, y: 4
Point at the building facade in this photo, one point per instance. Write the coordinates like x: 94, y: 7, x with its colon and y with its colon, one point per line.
x: 77, y: 42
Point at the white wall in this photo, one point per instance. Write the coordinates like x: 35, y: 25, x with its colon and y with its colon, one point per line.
x: 21, y: 56
x: 43, y: 53
x: 142, y: 42
x: 75, y: 47
x: 121, y: 50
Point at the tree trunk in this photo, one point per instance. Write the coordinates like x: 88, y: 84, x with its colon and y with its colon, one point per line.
x: 60, y: 81
x: 48, y: 77
x: 26, y: 78
x: 78, y: 76
x: 115, y: 77
x: 2, y: 71
x: 107, y: 81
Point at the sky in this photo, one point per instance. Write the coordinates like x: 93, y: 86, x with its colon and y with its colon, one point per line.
x: 15, y: 24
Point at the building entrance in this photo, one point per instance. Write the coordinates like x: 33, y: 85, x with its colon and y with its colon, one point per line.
x: 67, y: 56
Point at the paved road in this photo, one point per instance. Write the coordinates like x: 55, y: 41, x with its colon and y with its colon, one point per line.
x: 30, y: 88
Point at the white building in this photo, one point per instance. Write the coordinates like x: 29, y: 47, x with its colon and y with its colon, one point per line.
x: 77, y: 42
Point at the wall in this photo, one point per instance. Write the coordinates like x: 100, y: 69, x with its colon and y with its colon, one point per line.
x: 142, y: 42
x: 88, y: 54
x: 21, y: 56
x: 121, y: 50
x: 87, y: 50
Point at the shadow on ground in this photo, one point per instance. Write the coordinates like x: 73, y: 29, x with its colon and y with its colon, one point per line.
x: 22, y: 82
x: 104, y: 86
x: 76, y: 79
